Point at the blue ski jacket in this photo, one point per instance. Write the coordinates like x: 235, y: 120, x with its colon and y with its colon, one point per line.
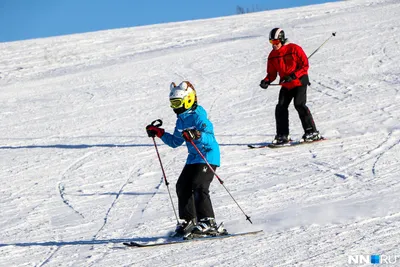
x: 207, y: 144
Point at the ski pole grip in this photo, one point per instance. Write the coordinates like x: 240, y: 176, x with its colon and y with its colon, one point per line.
x: 157, y: 123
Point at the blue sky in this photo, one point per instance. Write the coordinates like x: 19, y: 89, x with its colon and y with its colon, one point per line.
x: 27, y: 19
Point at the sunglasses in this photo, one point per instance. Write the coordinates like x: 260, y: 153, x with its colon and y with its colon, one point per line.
x: 275, y: 41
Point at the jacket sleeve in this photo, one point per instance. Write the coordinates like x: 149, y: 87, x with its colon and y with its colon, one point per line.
x: 207, y: 130
x: 302, y: 62
x: 173, y: 140
x: 271, y: 71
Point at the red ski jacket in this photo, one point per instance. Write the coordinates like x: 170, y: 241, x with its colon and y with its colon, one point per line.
x: 290, y: 58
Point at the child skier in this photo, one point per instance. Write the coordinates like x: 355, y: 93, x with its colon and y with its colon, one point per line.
x: 195, y: 208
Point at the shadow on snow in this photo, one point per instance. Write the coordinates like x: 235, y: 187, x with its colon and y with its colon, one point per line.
x: 81, y: 146
x: 115, y: 194
x: 83, y: 242
x: 85, y: 146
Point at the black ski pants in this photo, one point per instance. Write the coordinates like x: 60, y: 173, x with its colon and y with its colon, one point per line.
x: 192, y: 189
x: 299, y: 94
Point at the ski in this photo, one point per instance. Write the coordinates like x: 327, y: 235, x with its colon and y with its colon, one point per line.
x: 291, y: 143
x: 180, y: 241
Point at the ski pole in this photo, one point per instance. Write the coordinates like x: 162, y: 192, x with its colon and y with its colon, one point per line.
x: 333, y: 34
x: 158, y: 123
x: 316, y: 50
x: 216, y: 175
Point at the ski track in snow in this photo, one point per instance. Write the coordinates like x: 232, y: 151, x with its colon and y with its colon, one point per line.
x: 142, y: 208
x: 80, y: 176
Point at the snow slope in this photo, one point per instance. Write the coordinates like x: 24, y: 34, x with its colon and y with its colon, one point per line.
x: 79, y: 175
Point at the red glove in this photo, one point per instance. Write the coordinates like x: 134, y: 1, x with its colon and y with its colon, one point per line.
x: 191, y: 134
x: 153, y: 131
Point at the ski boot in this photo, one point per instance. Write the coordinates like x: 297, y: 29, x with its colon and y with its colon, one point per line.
x: 281, y: 139
x: 184, y: 228
x: 207, y: 227
x: 311, y: 137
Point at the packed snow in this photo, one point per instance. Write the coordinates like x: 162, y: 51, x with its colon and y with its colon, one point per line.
x: 80, y: 176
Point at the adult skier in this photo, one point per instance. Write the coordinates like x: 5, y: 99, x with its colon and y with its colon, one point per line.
x: 192, y: 187
x: 291, y: 63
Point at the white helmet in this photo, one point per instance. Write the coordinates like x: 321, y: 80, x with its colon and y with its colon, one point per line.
x: 182, y: 97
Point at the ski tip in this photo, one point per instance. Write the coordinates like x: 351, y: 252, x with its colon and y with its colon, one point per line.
x: 262, y: 145
x: 134, y: 244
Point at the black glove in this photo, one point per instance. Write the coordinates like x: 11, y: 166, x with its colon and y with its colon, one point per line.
x: 264, y: 84
x: 191, y: 134
x: 289, y: 78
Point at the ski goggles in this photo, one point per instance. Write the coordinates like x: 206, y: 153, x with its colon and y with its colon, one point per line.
x: 275, y: 41
x: 176, y: 102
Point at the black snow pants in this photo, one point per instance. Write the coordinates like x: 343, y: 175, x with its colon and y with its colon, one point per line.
x: 192, y: 189
x: 299, y: 94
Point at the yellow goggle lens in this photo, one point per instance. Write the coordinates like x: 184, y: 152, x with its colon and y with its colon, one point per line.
x: 176, y: 102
